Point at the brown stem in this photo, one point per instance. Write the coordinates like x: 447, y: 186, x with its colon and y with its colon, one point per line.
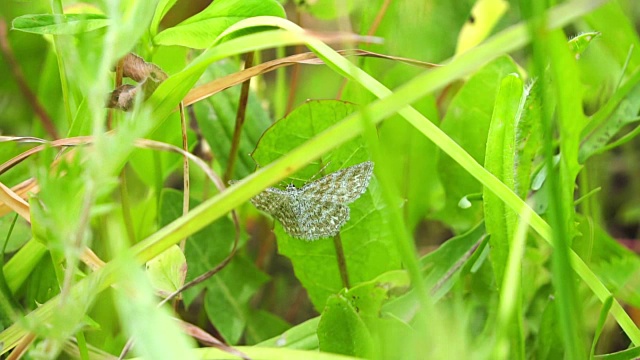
x: 342, y: 262
x: 295, y: 74
x: 240, y: 117
x: 40, y: 111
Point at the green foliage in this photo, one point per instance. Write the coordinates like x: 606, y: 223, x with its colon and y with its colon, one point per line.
x: 311, y: 261
x: 200, y: 30
x: 519, y: 122
x: 64, y: 24
x: 467, y: 122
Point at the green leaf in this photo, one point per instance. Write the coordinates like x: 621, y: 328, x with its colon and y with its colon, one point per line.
x: 442, y: 267
x: 266, y: 325
x: 631, y: 353
x: 168, y: 95
x: 467, y: 123
x: 65, y: 24
x: 227, y: 299
x: 549, y: 339
x: 625, y: 113
x: 528, y: 140
x: 303, y: 336
x: 368, y: 246
x: 350, y: 318
x: 604, y: 313
x: 414, y: 168
x: 200, y: 30
x: 162, y: 9
x: 341, y: 330
x: 579, y: 44
x: 500, y: 160
x: 167, y: 271
x: 616, y: 266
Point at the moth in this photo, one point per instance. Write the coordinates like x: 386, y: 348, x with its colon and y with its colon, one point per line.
x: 319, y: 208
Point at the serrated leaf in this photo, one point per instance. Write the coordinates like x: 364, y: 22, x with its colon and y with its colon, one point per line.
x: 367, y: 242
x: 59, y: 24
x: 200, y: 30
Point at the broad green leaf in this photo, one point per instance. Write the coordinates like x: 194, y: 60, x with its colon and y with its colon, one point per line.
x: 162, y: 9
x: 200, y: 30
x: 341, y: 330
x: 303, y: 336
x: 467, y: 122
x: 65, y: 24
x: 368, y: 246
x: 167, y: 271
x: 216, y: 116
x: 349, y: 319
x: 500, y: 160
x: 265, y: 326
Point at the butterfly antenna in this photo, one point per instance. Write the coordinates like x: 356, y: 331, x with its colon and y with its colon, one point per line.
x: 319, y: 171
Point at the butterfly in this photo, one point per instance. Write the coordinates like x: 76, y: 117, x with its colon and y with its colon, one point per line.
x: 319, y: 208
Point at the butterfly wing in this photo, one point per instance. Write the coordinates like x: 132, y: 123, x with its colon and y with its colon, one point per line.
x: 319, y: 219
x: 343, y: 186
x: 278, y: 203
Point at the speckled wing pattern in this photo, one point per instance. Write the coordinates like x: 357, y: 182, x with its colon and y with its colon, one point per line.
x: 319, y: 208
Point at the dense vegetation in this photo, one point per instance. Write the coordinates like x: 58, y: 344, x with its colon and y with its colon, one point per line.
x: 500, y: 221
